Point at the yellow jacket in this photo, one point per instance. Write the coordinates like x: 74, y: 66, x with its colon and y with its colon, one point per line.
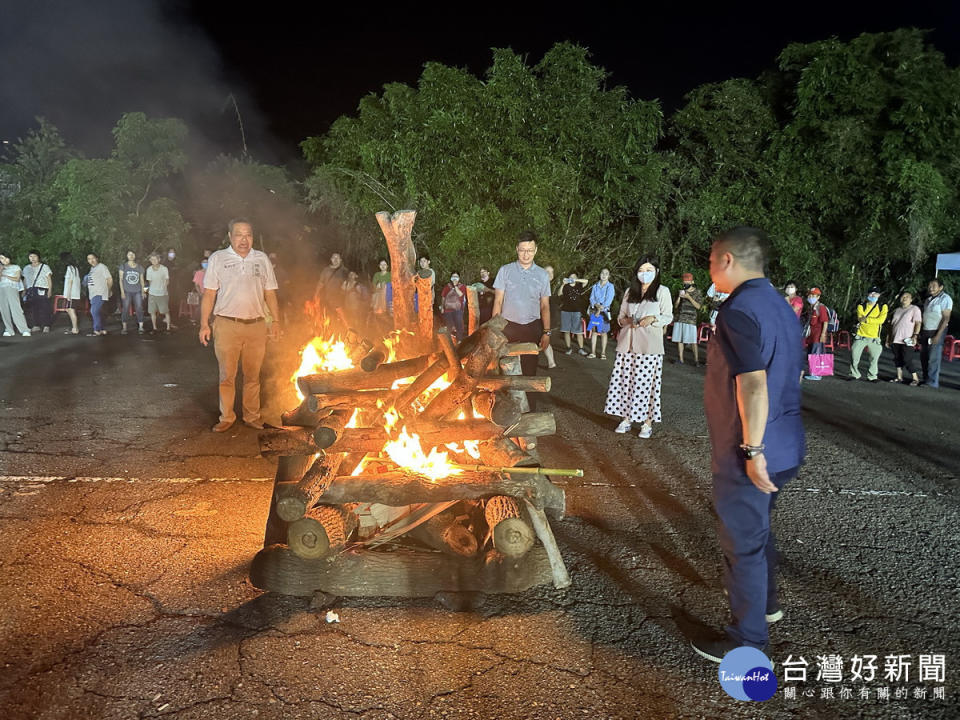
x: 869, y: 318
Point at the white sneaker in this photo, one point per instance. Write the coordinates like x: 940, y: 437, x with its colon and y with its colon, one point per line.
x: 8, y: 334
x: 624, y: 426
x: 26, y: 333
x: 646, y: 431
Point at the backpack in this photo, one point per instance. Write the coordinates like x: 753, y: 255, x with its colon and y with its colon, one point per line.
x: 833, y: 320
x: 452, y: 301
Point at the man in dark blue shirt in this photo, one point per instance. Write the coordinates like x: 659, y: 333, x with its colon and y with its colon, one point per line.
x: 752, y: 402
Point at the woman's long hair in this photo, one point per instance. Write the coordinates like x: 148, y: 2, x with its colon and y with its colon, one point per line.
x: 69, y: 261
x: 636, y: 293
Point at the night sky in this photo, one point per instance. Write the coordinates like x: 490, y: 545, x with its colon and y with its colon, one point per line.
x: 295, y: 67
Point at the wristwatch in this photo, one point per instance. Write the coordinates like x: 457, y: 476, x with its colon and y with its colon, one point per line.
x: 546, y: 332
x: 751, y: 451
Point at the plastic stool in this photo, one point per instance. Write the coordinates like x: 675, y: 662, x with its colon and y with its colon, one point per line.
x: 843, y: 339
x: 951, y: 348
x: 704, y: 333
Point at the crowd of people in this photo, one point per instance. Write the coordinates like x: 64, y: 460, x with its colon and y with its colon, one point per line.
x: 131, y: 291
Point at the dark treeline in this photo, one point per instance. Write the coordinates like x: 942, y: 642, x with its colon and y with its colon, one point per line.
x: 847, y: 153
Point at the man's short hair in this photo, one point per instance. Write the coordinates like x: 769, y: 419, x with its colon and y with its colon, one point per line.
x: 527, y: 236
x: 240, y: 220
x: 937, y: 280
x: 749, y: 245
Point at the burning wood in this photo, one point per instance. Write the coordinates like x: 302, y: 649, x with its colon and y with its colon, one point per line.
x: 376, y: 429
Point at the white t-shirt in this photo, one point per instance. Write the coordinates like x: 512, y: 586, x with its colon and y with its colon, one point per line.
x: 41, y: 272
x: 97, y: 282
x: 240, y: 283
x: 7, y: 275
x: 933, y: 310
x: 71, y: 283
x: 157, y: 279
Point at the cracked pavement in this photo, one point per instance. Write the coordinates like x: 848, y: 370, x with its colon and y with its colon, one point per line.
x: 129, y: 528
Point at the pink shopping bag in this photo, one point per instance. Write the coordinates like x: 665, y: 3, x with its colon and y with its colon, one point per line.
x: 821, y: 365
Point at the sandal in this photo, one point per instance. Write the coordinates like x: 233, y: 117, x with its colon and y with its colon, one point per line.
x: 591, y: 356
x: 71, y: 332
x: 93, y: 334
x: 895, y: 380
x: 914, y: 383
x: 603, y: 357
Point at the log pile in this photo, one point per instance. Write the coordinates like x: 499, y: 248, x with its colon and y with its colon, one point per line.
x: 346, y: 518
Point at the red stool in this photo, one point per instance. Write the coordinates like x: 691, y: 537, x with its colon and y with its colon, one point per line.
x: 704, y: 333
x: 184, y: 310
x: 60, y: 303
x: 951, y: 348
x: 828, y: 345
x: 843, y: 339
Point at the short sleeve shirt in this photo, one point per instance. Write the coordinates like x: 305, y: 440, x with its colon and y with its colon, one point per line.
x: 933, y: 310
x: 240, y: 283
x: 904, y: 320
x: 39, y: 276
x: 157, y: 279
x: 756, y: 330
x: 686, y: 312
x: 522, y: 290
x: 131, y: 277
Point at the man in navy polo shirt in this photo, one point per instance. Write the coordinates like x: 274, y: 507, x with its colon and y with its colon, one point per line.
x: 752, y: 401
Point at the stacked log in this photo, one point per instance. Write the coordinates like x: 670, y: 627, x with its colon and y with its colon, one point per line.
x: 487, y: 513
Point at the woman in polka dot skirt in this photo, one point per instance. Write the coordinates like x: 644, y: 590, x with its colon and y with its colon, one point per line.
x: 634, y: 392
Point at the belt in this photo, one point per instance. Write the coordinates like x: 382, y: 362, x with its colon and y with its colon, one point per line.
x: 245, y: 321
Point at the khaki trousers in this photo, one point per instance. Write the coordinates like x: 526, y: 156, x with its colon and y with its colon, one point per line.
x: 235, y: 343
x: 874, y: 350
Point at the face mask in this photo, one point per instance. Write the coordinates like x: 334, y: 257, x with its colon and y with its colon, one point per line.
x: 646, y: 277
x: 812, y: 299
x: 204, y: 264
x: 687, y: 286
x: 454, y: 279
x: 872, y: 298
x: 171, y: 256
x: 791, y: 291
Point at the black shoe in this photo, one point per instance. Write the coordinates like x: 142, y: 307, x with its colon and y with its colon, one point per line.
x: 715, y: 650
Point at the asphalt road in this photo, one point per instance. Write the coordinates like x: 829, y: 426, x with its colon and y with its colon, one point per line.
x: 129, y: 526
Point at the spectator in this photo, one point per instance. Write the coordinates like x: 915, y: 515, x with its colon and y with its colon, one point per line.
x: 485, y: 294
x: 380, y: 281
x: 239, y: 289
x: 904, y: 336
x: 454, y: 297
x: 130, y: 282
x: 716, y: 300
x: 427, y: 271
x: 158, y: 292
x: 38, y: 284
x: 523, y: 298
x: 646, y: 309
x: 689, y: 301
x: 10, y: 309
x: 936, y: 318
x: 99, y: 284
x: 870, y: 318
x: 355, y: 302
x: 815, y: 320
x: 71, y: 290
x: 329, y: 290
x: 793, y: 300
x: 554, y: 301
x: 193, y: 297
x: 573, y: 300
x: 601, y: 299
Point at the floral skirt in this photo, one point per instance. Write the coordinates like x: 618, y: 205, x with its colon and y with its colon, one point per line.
x: 634, y: 390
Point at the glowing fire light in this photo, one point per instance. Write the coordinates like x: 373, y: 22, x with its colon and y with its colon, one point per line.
x: 321, y: 355
x: 405, y: 450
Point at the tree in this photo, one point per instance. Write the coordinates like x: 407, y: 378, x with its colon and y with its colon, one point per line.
x: 548, y: 147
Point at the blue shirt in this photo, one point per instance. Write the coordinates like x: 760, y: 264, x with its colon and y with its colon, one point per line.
x: 756, y: 330
x: 602, y: 295
x: 522, y: 290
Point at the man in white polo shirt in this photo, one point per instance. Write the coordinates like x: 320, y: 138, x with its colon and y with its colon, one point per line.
x: 239, y: 288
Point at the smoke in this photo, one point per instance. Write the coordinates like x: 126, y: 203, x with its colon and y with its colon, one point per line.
x: 83, y: 64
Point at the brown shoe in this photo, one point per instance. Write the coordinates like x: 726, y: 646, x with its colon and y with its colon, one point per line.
x: 222, y: 426
x: 255, y: 424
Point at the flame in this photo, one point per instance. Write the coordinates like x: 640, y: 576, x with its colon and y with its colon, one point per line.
x: 407, y: 452
x: 321, y: 355
x: 470, y: 447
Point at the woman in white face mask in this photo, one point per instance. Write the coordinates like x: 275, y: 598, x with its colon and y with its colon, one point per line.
x: 634, y: 392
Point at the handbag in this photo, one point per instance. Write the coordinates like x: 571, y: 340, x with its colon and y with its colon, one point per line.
x: 820, y: 365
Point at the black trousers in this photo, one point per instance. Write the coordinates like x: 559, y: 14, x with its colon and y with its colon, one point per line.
x: 531, y: 332
x: 903, y: 357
